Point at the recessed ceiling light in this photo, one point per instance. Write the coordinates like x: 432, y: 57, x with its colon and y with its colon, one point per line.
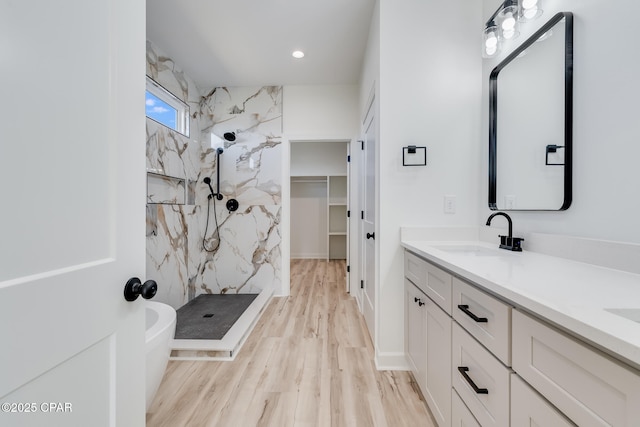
x: 297, y: 54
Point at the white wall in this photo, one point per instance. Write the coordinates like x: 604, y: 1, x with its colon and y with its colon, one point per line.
x: 309, y: 219
x: 606, y: 129
x: 320, y: 112
x: 318, y: 158
x: 428, y: 94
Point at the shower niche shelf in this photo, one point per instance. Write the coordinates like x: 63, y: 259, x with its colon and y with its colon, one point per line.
x: 165, y: 189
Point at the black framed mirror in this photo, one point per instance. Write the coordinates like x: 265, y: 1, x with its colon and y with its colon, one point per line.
x: 531, y: 122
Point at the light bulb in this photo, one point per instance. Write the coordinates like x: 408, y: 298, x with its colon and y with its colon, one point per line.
x: 509, y: 22
x: 491, y: 50
x: 491, y: 41
x: 531, y: 9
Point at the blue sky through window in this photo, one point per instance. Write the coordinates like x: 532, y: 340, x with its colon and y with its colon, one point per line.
x: 160, y: 111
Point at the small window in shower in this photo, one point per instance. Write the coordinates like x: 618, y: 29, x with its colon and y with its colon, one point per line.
x: 165, y: 108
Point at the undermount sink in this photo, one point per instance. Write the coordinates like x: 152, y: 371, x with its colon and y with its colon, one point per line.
x: 472, y: 250
x: 628, y: 313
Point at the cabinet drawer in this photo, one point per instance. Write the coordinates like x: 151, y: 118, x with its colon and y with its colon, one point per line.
x: 528, y: 408
x: 484, y: 317
x: 431, y: 280
x: 587, y: 386
x: 489, y: 402
x: 461, y: 416
x: 415, y: 269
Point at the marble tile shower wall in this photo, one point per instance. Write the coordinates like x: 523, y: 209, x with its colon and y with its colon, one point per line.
x: 246, y: 258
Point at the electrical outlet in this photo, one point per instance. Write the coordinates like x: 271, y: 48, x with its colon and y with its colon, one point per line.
x: 449, y: 204
x: 509, y: 202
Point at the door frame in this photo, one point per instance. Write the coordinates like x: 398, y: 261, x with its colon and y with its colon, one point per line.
x: 286, y: 210
x: 369, y: 118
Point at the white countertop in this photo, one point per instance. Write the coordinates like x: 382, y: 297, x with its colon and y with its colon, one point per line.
x: 570, y: 294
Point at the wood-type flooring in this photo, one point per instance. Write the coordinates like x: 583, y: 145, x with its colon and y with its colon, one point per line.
x: 308, y: 362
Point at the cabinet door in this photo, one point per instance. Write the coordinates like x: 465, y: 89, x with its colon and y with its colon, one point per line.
x: 428, y: 350
x: 438, y: 370
x: 415, y: 340
x: 528, y: 408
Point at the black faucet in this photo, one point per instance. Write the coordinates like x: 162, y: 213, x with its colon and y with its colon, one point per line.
x: 509, y: 242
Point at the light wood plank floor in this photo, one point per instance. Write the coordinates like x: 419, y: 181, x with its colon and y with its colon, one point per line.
x: 308, y: 362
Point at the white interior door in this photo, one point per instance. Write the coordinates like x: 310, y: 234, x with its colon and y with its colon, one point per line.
x: 72, y: 191
x: 368, y: 221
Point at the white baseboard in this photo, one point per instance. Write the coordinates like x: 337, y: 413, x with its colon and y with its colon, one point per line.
x: 309, y: 256
x: 391, y: 361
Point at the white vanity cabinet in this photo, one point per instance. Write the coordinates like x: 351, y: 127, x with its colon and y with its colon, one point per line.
x: 530, y: 347
x: 428, y: 350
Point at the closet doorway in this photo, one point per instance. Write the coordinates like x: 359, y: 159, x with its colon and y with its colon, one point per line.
x: 320, y: 212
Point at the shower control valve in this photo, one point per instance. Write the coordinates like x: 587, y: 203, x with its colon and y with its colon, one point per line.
x: 134, y: 288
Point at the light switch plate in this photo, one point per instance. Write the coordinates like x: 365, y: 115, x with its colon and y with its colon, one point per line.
x: 449, y: 204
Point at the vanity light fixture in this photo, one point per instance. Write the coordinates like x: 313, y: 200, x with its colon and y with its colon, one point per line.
x: 490, y: 41
x: 504, y: 24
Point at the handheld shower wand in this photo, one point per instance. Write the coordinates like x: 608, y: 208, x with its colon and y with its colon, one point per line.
x: 207, y: 181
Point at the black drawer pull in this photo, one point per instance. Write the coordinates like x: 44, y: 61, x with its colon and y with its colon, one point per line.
x: 465, y: 308
x: 463, y: 371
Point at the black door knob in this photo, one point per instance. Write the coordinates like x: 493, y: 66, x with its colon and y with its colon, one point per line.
x: 135, y: 288
x: 371, y: 236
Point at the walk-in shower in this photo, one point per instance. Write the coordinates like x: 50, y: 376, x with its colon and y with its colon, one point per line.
x: 209, y: 318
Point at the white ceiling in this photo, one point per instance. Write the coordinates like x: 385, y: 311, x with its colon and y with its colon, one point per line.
x: 249, y: 42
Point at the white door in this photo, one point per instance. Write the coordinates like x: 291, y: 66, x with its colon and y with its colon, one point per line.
x: 368, y: 221
x: 72, y: 194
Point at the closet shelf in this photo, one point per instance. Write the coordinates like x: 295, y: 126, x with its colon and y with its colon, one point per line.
x: 308, y: 179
